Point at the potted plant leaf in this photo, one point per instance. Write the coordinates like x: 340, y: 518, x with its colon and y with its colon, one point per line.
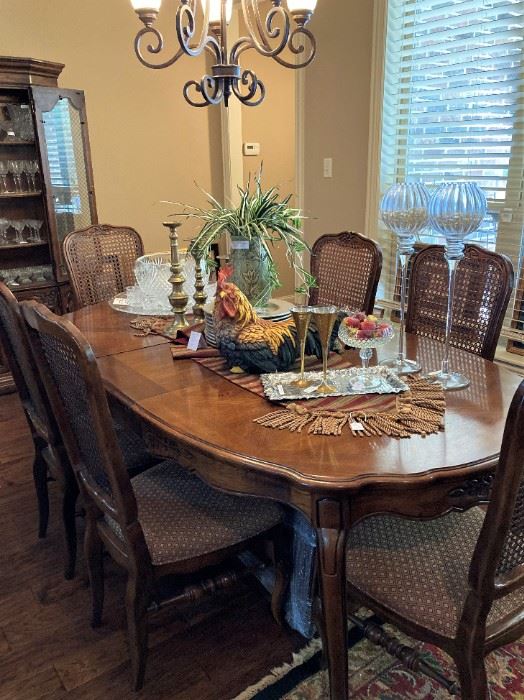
x: 256, y: 225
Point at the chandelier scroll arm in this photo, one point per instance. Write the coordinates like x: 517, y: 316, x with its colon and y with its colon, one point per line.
x: 186, y: 29
x: 209, y: 87
x: 260, y: 33
x: 310, y: 51
x: 250, y: 79
x: 153, y: 48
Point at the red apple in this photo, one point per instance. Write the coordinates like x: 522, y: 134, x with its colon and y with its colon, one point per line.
x: 352, y: 322
x: 368, y: 326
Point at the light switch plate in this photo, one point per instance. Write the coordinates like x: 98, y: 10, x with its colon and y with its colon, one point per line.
x: 328, y: 167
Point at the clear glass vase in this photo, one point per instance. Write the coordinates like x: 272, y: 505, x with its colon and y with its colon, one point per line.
x: 404, y: 211
x: 456, y: 210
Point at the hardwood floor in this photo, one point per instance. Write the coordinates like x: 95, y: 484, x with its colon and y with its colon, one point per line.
x: 47, y: 647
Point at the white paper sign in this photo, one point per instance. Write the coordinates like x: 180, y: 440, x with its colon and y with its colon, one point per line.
x: 310, y: 389
x: 240, y: 245
x: 194, y: 340
x: 356, y: 426
x: 120, y: 301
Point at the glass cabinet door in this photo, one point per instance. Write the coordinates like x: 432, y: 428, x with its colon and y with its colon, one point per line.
x: 66, y: 164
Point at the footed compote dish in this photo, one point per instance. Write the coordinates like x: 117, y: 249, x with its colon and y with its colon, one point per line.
x: 365, y: 333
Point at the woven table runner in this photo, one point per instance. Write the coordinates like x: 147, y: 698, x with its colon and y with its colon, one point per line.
x: 419, y: 411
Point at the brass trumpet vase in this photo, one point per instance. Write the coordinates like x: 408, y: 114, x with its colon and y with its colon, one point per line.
x: 324, y: 318
x: 301, y: 318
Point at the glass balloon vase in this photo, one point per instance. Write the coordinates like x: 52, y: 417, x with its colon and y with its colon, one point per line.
x: 456, y: 210
x: 404, y: 211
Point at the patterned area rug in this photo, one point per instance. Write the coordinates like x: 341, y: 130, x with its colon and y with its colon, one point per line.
x: 375, y: 675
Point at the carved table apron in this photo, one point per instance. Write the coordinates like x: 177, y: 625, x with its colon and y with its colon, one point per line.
x: 187, y: 413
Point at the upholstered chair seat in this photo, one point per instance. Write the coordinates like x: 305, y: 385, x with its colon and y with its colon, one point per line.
x: 184, y: 518
x: 419, y: 569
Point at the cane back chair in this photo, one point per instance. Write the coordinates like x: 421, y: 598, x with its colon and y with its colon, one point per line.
x: 456, y: 581
x: 347, y: 269
x: 163, y: 522
x: 484, y: 281
x: 49, y: 453
x: 100, y: 260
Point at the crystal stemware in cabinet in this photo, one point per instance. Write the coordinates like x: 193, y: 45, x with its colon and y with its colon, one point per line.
x: 404, y: 211
x: 4, y: 225
x: 3, y: 176
x: 456, y: 210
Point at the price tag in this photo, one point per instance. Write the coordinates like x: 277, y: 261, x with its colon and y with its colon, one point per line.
x: 194, y: 340
x: 120, y: 301
x: 310, y: 389
x: 280, y: 389
x: 240, y: 245
x: 356, y: 426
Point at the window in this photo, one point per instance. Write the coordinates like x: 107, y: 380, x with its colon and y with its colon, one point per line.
x: 453, y: 109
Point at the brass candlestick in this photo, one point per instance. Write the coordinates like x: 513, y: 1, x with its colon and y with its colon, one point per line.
x: 199, y: 296
x: 178, y: 298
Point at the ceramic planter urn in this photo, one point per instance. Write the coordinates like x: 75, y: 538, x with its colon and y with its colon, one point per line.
x: 251, y: 267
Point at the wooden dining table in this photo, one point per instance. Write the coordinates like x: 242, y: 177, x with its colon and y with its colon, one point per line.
x: 189, y: 413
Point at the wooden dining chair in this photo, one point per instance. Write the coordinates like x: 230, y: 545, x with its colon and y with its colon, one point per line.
x: 163, y: 522
x: 100, y: 260
x: 484, y: 281
x: 456, y: 581
x: 50, y: 457
x: 347, y: 268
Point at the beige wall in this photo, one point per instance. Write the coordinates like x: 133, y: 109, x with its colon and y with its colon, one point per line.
x: 272, y: 125
x: 147, y: 143
x: 337, y: 95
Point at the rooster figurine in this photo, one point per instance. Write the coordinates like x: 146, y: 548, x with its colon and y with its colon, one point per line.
x: 249, y: 343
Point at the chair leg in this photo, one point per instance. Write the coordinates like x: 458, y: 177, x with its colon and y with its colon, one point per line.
x: 472, y: 674
x: 280, y: 557
x: 68, y: 517
x: 40, y: 481
x: 93, y: 549
x: 137, y: 598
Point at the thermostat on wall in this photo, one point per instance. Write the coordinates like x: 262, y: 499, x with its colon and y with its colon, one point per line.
x: 251, y: 149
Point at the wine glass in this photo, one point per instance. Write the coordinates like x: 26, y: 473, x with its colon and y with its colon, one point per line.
x: 32, y: 170
x: 14, y: 167
x: 456, y: 210
x: 404, y: 211
x: 4, y: 225
x: 19, y: 226
x: 324, y: 317
x: 301, y: 317
x: 3, y: 175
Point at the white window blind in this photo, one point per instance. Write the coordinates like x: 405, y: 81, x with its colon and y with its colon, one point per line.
x: 453, y: 109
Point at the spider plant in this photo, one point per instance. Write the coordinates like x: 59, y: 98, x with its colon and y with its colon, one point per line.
x: 260, y: 216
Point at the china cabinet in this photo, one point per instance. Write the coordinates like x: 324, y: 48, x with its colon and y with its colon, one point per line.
x: 46, y: 181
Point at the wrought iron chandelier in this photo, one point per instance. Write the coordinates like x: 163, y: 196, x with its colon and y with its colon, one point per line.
x: 281, y: 28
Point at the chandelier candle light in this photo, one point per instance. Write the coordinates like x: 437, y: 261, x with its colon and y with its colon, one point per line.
x: 456, y: 210
x: 281, y: 28
x: 404, y: 211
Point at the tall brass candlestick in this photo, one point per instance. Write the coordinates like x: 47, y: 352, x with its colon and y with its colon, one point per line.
x: 178, y: 298
x: 199, y: 296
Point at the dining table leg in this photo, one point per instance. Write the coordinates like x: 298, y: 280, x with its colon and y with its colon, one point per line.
x: 331, y: 538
